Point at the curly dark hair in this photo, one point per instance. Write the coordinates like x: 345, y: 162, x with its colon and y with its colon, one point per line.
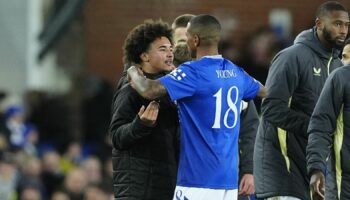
x: 139, y: 39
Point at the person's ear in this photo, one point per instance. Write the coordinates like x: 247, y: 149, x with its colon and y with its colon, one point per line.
x: 144, y: 57
x: 319, y: 23
x: 196, y: 40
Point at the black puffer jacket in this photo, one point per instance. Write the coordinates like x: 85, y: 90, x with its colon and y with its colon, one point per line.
x: 144, y: 158
x: 330, y: 127
x: 294, y: 83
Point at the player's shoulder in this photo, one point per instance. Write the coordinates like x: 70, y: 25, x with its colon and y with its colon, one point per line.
x: 188, y: 64
x: 343, y: 69
x: 341, y: 73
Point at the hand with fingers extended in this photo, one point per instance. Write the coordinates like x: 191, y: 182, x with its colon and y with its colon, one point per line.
x: 246, y: 186
x: 317, y: 185
x: 149, y: 114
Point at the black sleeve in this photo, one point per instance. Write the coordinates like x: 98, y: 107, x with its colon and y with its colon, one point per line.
x: 126, y: 127
x: 323, y: 123
x: 281, y: 83
x: 249, y: 127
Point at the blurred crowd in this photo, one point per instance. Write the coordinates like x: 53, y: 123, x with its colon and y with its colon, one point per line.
x: 35, y: 169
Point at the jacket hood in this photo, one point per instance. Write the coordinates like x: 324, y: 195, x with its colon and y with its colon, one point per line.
x: 309, y: 38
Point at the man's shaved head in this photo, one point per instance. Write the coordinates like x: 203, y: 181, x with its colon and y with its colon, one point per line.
x: 327, y: 7
x: 207, y: 28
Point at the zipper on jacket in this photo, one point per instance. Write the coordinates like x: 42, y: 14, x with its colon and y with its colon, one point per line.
x: 329, y: 63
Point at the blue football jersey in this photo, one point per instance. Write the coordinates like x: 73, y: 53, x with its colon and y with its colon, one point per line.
x: 208, y: 93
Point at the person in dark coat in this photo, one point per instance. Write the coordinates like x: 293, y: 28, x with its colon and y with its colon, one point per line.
x: 145, y: 134
x: 294, y: 83
x: 330, y: 127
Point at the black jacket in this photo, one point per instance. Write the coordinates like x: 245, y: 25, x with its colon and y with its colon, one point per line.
x: 329, y: 130
x: 247, y: 133
x: 144, y: 158
x: 294, y: 82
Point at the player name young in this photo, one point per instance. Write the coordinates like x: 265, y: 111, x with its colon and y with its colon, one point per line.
x: 226, y: 73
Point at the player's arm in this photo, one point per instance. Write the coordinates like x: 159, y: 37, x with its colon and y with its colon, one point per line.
x: 282, y: 81
x: 147, y: 88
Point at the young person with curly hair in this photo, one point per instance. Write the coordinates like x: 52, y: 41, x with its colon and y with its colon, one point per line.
x: 145, y: 133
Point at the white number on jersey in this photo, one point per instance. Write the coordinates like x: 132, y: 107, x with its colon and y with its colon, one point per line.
x: 232, y: 108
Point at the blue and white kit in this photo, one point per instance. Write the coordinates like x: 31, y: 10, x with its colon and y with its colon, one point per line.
x: 209, y: 93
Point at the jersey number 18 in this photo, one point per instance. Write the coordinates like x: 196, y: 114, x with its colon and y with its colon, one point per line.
x: 231, y: 108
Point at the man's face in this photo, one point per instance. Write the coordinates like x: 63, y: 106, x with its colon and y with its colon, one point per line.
x: 179, y: 35
x: 346, y: 55
x: 160, y: 56
x: 335, y: 28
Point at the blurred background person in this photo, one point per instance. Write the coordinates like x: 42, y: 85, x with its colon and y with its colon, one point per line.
x: 30, y: 193
x: 75, y: 183
x: 14, y: 126
x: 52, y: 175
x: 60, y: 195
x: 8, y: 176
x: 181, y: 51
x: 93, y: 168
x: 30, y: 176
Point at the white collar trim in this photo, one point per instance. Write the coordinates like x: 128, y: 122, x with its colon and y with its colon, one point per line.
x: 214, y: 56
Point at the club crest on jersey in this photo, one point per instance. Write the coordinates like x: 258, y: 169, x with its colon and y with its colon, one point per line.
x: 317, y: 71
x: 178, y: 74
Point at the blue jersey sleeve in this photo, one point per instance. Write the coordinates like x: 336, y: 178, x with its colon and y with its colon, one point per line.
x: 252, y: 87
x: 181, y: 82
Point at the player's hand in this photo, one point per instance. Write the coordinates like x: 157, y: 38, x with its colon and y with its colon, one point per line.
x: 317, y: 185
x: 149, y: 115
x: 246, y: 186
x: 172, y: 67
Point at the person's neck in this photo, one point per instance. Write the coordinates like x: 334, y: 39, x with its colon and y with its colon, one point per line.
x: 322, y: 40
x: 147, y: 68
x: 206, y: 51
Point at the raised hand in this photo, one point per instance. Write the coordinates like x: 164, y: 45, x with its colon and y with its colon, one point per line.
x: 149, y: 115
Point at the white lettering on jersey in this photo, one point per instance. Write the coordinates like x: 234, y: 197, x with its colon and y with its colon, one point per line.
x: 226, y: 73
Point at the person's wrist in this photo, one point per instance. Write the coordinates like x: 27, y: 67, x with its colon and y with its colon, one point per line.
x: 316, y: 171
